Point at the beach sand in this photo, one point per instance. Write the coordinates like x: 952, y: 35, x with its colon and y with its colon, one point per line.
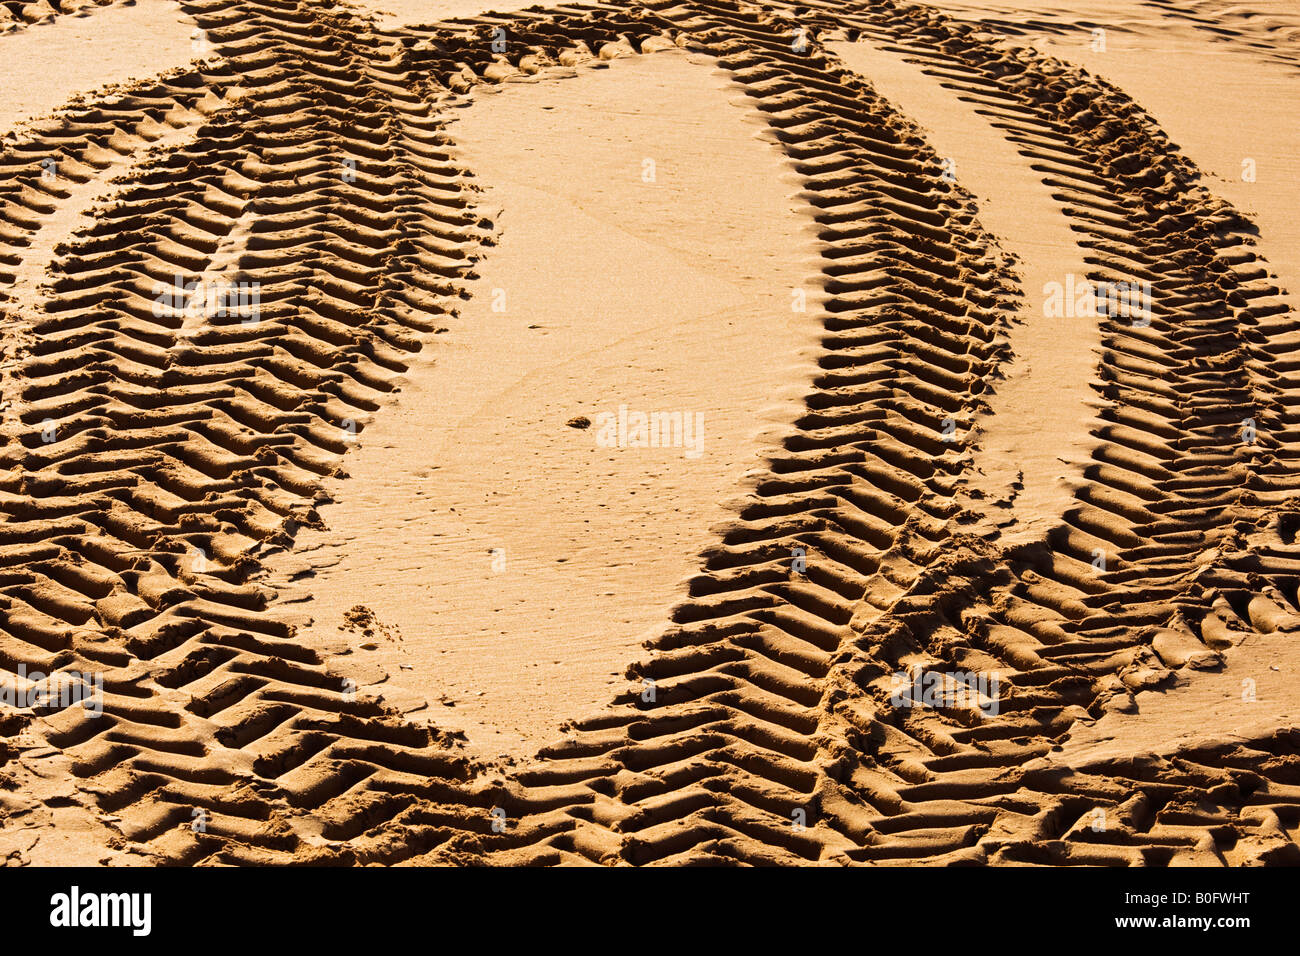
x: 834, y: 433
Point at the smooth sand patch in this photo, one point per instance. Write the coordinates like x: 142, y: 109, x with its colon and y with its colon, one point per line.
x: 513, y: 563
x: 1252, y: 696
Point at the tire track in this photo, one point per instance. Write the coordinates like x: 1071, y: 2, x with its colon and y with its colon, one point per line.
x: 759, y: 730
x: 17, y: 14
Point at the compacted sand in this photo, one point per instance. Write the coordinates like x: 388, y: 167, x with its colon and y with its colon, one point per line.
x: 670, y: 433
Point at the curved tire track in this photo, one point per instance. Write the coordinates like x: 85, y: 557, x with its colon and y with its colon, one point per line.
x: 768, y: 737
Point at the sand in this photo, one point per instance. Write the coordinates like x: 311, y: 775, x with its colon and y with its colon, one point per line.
x: 62, y: 57
x: 563, y: 551
x: 1036, y: 436
x: 356, y: 557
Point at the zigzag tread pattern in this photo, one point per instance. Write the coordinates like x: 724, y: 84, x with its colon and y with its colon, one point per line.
x: 154, y: 461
